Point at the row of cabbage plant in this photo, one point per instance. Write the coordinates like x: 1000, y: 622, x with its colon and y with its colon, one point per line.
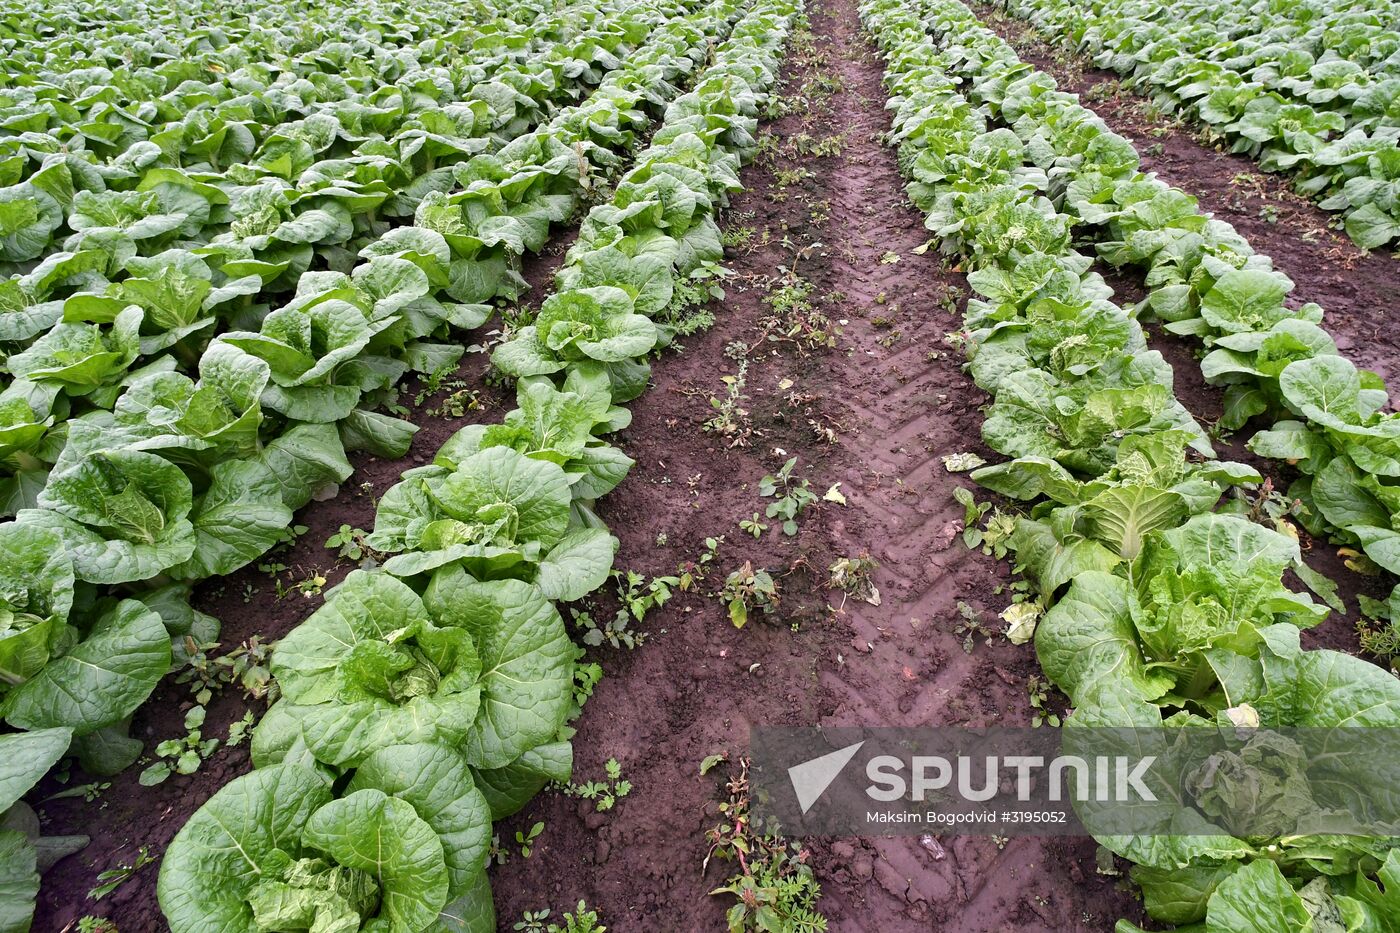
x: 1206, y: 283
x: 1157, y: 603
x: 431, y: 696
x: 1329, y: 122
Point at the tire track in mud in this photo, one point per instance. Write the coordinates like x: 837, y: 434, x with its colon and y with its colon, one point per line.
x: 897, y: 400
x: 914, y: 406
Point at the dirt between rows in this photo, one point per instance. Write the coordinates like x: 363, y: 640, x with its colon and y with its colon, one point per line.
x: 895, y: 399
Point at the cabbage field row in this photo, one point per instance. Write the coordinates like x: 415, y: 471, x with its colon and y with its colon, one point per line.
x: 1158, y: 605
x: 1314, y: 94
x: 235, y: 237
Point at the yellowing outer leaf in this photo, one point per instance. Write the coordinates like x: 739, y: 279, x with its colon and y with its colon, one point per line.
x: 1020, y: 619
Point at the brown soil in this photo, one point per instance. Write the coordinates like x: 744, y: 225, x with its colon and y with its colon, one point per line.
x: 897, y: 399
x: 894, y: 400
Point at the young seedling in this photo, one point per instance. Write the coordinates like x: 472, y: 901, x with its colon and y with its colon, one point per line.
x: 312, y: 585
x: 532, y: 921
x: 91, y: 924
x: 350, y: 543
x: 1038, y: 688
x: 790, y: 496
x: 687, y: 313
x: 731, y: 419
x: 457, y: 403
x: 793, y: 318
x: 249, y: 668
x: 1379, y: 627
x: 239, y: 730
x: 113, y: 878
x: 753, y: 526
x: 618, y: 632
x: 498, y: 853
x: 581, y: 920
x: 526, y: 840
x: 691, y: 572
x: 182, y: 755
x: 245, y: 666
x: 604, y: 794
x: 994, y: 536
x: 640, y: 595
x: 89, y: 792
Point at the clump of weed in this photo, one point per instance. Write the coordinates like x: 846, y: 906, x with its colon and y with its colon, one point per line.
x: 774, y: 885
x: 971, y: 627
x: 790, y: 496
x: 854, y: 576
x: 581, y: 920
x: 606, y: 793
x: 747, y: 590
x: 731, y: 419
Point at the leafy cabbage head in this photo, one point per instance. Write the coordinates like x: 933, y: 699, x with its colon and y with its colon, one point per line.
x: 484, y: 667
x: 274, y: 850
x: 597, y: 323
x: 36, y: 594
x: 499, y: 514
x: 123, y: 514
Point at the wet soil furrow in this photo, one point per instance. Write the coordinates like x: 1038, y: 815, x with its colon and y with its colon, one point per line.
x: 892, y: 401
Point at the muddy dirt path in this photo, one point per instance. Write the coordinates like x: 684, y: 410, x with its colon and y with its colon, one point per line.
x: 893, y: 396
x: 1358, y: 289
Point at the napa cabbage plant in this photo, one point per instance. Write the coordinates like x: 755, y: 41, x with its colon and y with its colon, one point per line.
x: 82, y: 675
x: 36, y: 595
x: 93, y: 680
x: 1215, y: 871
x: 497, y: 513
x: 85, y: 359
x: 597, y: 323
x: 176, y: 293
x: 193, y: 423
x: 24, y: 852
x: 122, y: 514
x: 1193, y: 586
x: 278, y: 850
x: 559, y: 426
x: 486, y: 667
